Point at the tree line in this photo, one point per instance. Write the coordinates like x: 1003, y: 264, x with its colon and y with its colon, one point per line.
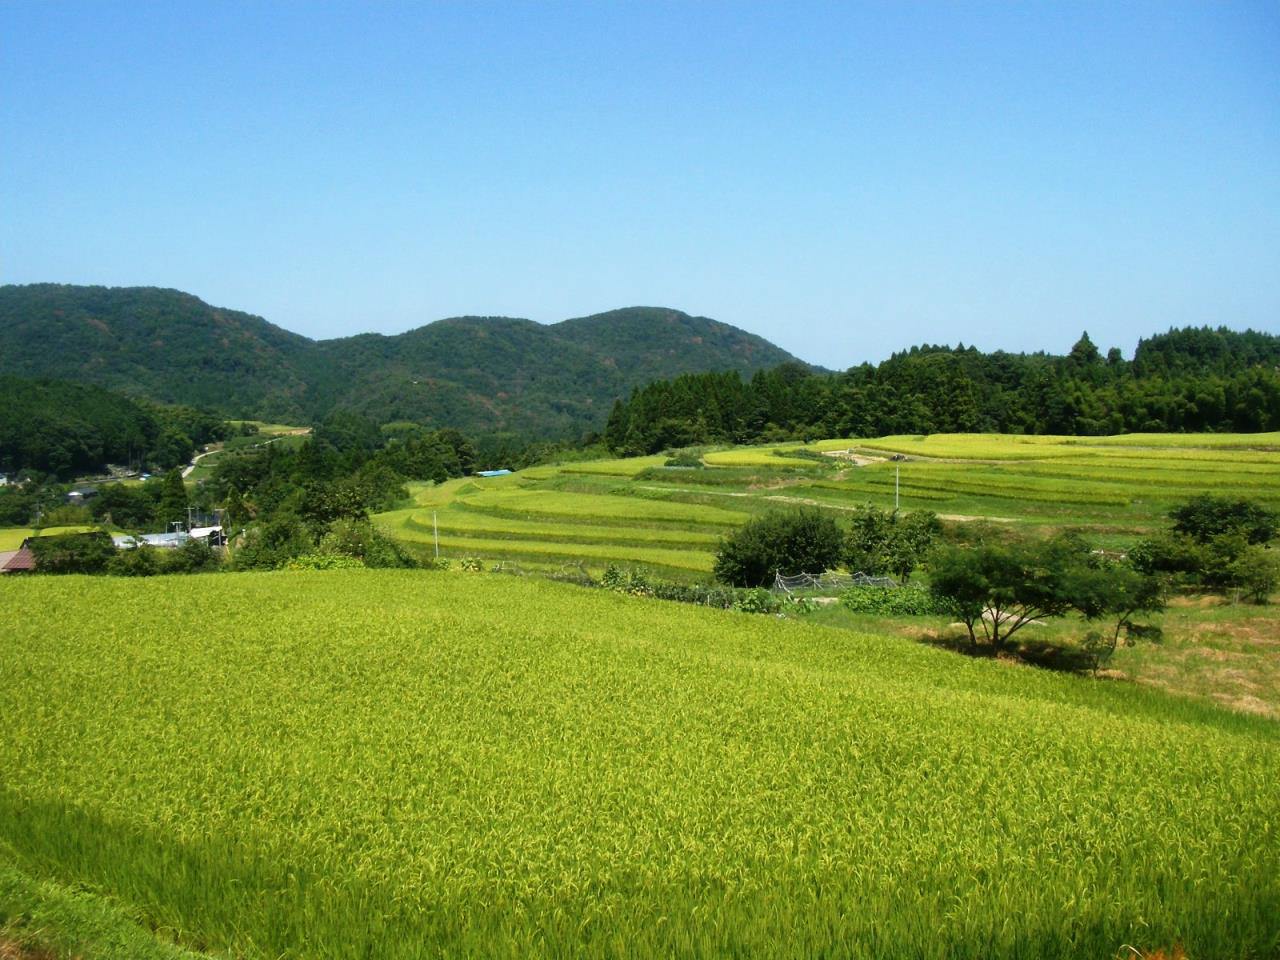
x: 1185, y: 380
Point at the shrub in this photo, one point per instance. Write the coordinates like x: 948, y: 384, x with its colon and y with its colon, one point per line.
x: 73, y: 552
x: 885, y: 541
x: 360, y: 539
x: 324, y: 561
x: 1255, y: 573
x: 138, y: 562
x: 786, y: 542
x: 757, y: 600
x: 690, y: 459
x: 912, y: 600
x: 471, y: 564
x: 194, y: 556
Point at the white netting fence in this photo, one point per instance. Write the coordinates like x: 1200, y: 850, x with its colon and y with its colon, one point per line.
x: 805, y: 582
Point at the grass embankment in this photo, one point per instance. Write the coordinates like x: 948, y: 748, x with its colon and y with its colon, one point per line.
x: 402, y: 764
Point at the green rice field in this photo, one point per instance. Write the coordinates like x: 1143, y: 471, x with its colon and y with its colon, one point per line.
x: 1114, y: 489
x: 405, y: 764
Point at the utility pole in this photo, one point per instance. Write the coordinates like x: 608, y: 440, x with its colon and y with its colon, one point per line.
x: 435, y: 531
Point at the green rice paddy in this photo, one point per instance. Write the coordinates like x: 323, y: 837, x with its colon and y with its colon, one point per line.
x: 405, y: 764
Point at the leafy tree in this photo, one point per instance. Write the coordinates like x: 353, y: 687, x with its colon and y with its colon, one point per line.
x: 173, y: 504
x: 273, y: 543
x: 1206, y: 517
x: 1001, y: 587
x: 1255, y: 572
x: 885, y: 541
x: 130, y: 507
x: 781, y: 542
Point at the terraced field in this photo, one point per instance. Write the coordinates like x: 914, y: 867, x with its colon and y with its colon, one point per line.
x: 637, y: 511
x: 413, y: 764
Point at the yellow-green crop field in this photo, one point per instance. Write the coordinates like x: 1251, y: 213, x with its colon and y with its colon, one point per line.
x: 1116, y: 489
x: 405, y: 764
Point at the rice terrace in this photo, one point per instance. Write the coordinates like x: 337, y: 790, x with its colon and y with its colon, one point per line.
x: 508, y: 766
x: 639, y: 481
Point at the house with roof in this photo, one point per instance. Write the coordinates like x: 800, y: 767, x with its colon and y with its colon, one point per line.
x: 21, y: 560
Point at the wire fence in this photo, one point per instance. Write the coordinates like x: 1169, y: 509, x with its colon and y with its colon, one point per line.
x: 805, y: 582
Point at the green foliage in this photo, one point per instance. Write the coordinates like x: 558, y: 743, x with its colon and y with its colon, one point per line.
x: 931, y: 389
x: 910, y: 600
x: 360, y: 540
x: 194, y: 556
x: 638, y: 583
x: 397, y: 765
x: 66, y: 515
x: 273, y: 544
x: 475, y: 374
x: 141, y: 561
x: 129, y: 507
x: 1001, y: 587
x: 884, y: 541
x: 173, y: 503
x: 72, y: 428
x: 688, y: 459
x: 786, y: 542
x: 1207, y: 517
x: 1255, y: 572
x: 325, y: 561
x: 1216, y: 543
x: 72, y: 552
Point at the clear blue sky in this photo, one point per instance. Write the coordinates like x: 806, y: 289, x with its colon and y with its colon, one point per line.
x: 845, y: 179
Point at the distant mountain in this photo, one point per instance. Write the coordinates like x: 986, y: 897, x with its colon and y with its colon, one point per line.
x: 478, y: 374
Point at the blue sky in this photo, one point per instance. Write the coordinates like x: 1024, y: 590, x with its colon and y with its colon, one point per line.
x: 844, y: 179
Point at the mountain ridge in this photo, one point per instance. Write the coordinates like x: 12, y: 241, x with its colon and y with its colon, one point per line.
x: 474, y: 372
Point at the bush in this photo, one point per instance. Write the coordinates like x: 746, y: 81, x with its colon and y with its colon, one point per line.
x: 73, y: 552
x: 471, y: 564
x: 908, y: 601
x: 194, y: 556
x: 363, y: 541
x: 1255, y: 573
x: 138, y: 562
x: 757, y: 600
x: 324, y: 561
x: 637, y: 583
x: 690, y: 459
x: 786, y: 542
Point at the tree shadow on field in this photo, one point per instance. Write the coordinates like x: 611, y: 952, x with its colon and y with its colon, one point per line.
x: 1033, y: 652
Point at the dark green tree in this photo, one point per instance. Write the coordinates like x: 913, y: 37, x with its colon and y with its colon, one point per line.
x: 173, y: 504
x: 783, y: 542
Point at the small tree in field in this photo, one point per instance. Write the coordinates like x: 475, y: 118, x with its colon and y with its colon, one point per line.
x: 1001, y: 587
x: 1104, y: 590
x: 790, y: 542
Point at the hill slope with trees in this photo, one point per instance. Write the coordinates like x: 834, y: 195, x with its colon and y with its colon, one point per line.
x: 1184, y: 380
x: 474, y: 373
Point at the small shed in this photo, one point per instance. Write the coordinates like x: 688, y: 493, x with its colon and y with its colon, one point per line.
x: 493, y: 473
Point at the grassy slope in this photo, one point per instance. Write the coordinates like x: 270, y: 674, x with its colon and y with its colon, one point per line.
x: 490, y: 766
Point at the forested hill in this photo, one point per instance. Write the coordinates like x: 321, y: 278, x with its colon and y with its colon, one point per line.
x: 69, y: 428
x: 1184, y: 380
x: 479, y: 374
